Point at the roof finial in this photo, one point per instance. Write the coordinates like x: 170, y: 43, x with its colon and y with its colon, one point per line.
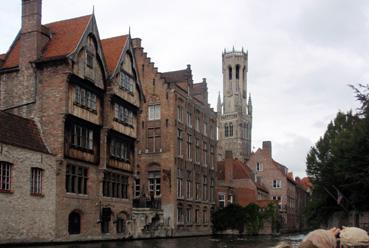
x: 233, y: 49
x: 93, y: 9
x: 129, y: 31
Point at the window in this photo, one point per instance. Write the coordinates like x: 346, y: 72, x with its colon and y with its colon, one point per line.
x: 229, y: 72
x: 197, y: 216
x: 237, y: 71
x: 122, y: 114
x: 197, y: 124
x: 74, y: 223
x: 189, y: 215
x: 119, y: 149
x: 76, y: 179
x: 82, y: 137
x: 180, y: 113
x: 126, y: 82
x: 5, y: 176
x: 197, y: 155
x: 36, y: 181
x: 259, y: 166
x: 179, y: 183
x: 189, y: 185
x: 230, y: 129
x: 90, y: 60
x: 84, y: 98
x: 154, y: 112
x: 137, y: 188
x: 180, y: 215
x: 179, y: 142
x: 205, y: 154
x: 205, y: 188
x: 277, y: 184
x: 205, y: 216
x: 189, y: 147
x: 205, y: 128
x: 115, y: 185
x: 154, y: 183
x: 212, y: 189
x: 120, y: 225
x: 105, y: 219
x: 230, y: 199
x: 154, y: 139
x: 221, y: 200
x: 226, y: 130
x: 276, y: 198
x: 212, y: 156
x: 197, y: 191
x: 189, y: 119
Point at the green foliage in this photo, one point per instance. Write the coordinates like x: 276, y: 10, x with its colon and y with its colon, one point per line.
x: 236, y: 217
x: 341, y: 159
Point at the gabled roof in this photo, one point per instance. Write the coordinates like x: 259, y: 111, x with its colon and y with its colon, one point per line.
x: 21, y: 132
x: 176, y: 76
x: 2, y: 56
x: 65, y: 36
x: 112, y: 48
x: 240, y: 170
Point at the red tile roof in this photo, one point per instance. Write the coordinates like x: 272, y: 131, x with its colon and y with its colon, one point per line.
x: 112, y: 48
x: 240, y: 170
x: 2, y: 56
x: 21, y: 132
x: 65, y: 36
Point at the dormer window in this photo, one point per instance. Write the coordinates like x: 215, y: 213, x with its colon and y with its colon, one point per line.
x: 126, y: 82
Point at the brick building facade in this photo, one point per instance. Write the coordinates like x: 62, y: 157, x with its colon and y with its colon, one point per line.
x: 281, y: 186
x: 27, y: 182
x: 176, y: 152
x: 85, y: 94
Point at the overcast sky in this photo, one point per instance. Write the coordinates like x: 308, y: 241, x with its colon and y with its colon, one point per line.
x: 302, y: 54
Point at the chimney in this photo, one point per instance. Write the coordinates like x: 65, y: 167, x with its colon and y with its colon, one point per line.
x: 30, y: 33
x: 228, y: 166
x: 267, y: 148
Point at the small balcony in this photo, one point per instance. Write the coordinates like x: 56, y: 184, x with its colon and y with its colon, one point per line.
x: 144, y: 202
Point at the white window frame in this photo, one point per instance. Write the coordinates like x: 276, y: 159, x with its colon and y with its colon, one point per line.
x: 259, y: 166
x: 154, y: 112
x: 277, y: 184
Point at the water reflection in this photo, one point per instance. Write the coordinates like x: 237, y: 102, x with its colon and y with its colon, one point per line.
x: 193, y: 242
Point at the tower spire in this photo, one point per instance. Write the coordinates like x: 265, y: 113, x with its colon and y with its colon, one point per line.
x: 219, y: 105
x: 249, y: 105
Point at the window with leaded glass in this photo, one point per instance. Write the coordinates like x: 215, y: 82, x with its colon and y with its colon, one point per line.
x: 123, y: 114
x: 119, y: 149
x: 189, y: 185
x: 205, y: 188
x: 197, y: 155
x: 126, y: 82
x: 154, y: 183
x: 154, y: 112
x: 84, y: 98
x: 154, y: 139
x: 179, y: 142
x: 36, y: 181
x: 76, y: 179
x: 82, y: 137
x: 115, y: 185
x: 5, y: 176
x: 189, y: 147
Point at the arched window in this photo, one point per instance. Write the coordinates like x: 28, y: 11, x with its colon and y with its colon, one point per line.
x: 226, y: 131
x: 244, y: 73
x: 237, y: 71
x: 74, y: 223
x: 121, y: 223
x: 230, y: 129
x: 229, y: 72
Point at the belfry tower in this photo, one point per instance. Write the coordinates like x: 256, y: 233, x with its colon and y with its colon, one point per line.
x: 235, y: 113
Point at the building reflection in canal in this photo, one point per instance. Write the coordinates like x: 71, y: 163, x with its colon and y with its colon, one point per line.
x: 191, y: 242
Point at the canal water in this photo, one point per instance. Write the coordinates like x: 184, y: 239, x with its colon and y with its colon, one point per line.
x: 192, y: 242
